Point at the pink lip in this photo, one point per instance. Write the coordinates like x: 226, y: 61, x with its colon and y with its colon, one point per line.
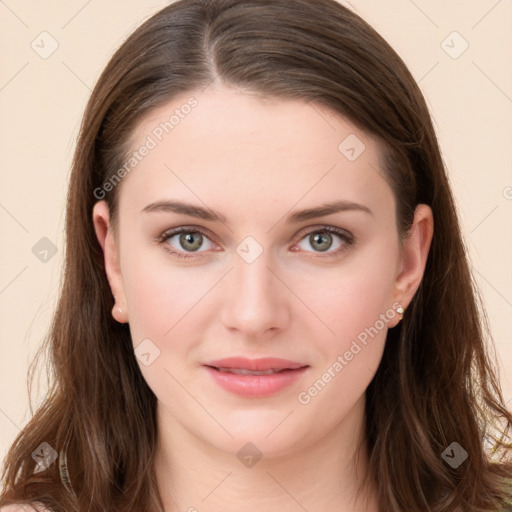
x: 265, y: 363
x: 255, y: 386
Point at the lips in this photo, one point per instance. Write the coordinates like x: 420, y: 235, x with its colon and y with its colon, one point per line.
x: 243, y: 371
x: 255, y: 378
x: 265, y: 365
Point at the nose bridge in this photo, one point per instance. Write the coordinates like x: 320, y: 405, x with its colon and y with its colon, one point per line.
x: 254, y: 302
x: 254, y: 277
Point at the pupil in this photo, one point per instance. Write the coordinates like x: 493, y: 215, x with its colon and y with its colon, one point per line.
x: 323, y: 239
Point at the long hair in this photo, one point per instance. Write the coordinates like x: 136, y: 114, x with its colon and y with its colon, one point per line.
x: 438, y: 379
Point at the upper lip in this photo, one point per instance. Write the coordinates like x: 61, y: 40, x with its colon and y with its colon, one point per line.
x: 265, y: 363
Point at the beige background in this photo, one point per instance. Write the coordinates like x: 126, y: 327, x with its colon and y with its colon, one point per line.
x: 42, y: 99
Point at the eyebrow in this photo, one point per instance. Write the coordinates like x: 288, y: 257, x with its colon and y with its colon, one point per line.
x: 211, y: 215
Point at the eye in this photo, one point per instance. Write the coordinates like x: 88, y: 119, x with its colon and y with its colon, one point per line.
x: 183, y: 240
x: 328, y: 240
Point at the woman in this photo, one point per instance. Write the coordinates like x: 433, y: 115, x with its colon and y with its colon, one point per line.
x: 267, y: 301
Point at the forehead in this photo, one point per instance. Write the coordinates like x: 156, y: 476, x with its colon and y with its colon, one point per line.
x: 250, y: 150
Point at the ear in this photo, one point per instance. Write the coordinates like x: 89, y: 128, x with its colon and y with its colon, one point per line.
x: 414, y: 257
x: 105, y: 234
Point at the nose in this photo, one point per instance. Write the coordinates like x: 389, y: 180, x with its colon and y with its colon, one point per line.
x: 256, y: 303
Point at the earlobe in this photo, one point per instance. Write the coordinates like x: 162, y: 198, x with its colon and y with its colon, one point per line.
x: 106, y: 239
x: 415, y: 253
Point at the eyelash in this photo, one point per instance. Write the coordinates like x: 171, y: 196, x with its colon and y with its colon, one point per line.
x: 348, y: 240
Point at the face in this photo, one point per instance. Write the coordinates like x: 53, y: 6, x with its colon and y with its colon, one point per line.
x: 257, y: 228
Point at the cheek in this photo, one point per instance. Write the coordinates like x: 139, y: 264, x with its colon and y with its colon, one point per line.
x: 165, y: 301
x: 357, y: 307
x: 156, y: 291
x: 154, y: 295
x: 353, y: 296
x: 151, y: 305
x: 164, y: 307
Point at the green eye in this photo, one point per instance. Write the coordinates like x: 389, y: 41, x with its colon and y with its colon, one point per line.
x: 191, y: 241
x: 182, y: 241
x: 321, y: 241
x: 324, y: 239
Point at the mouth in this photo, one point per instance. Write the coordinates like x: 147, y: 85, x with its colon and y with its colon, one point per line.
x: 255, y: 378
x: 243, y: 371
x: 264, y: 364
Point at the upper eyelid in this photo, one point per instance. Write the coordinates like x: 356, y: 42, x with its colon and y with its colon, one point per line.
x: 169, y: 233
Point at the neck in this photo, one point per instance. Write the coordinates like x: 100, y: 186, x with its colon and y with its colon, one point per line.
x: 327, y: 474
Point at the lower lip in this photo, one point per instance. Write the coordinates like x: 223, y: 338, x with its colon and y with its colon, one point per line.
x: 255, y: 386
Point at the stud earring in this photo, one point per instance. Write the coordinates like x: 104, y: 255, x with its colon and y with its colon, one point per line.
x: 400, y: 310
x: 118, y: 308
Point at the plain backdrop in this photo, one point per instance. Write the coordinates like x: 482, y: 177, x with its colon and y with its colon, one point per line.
x: 53, y: 52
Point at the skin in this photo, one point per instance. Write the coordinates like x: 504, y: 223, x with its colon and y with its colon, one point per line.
x: 256, y: 161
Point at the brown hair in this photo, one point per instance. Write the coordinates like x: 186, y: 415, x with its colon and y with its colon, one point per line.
x: 436, y: 383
